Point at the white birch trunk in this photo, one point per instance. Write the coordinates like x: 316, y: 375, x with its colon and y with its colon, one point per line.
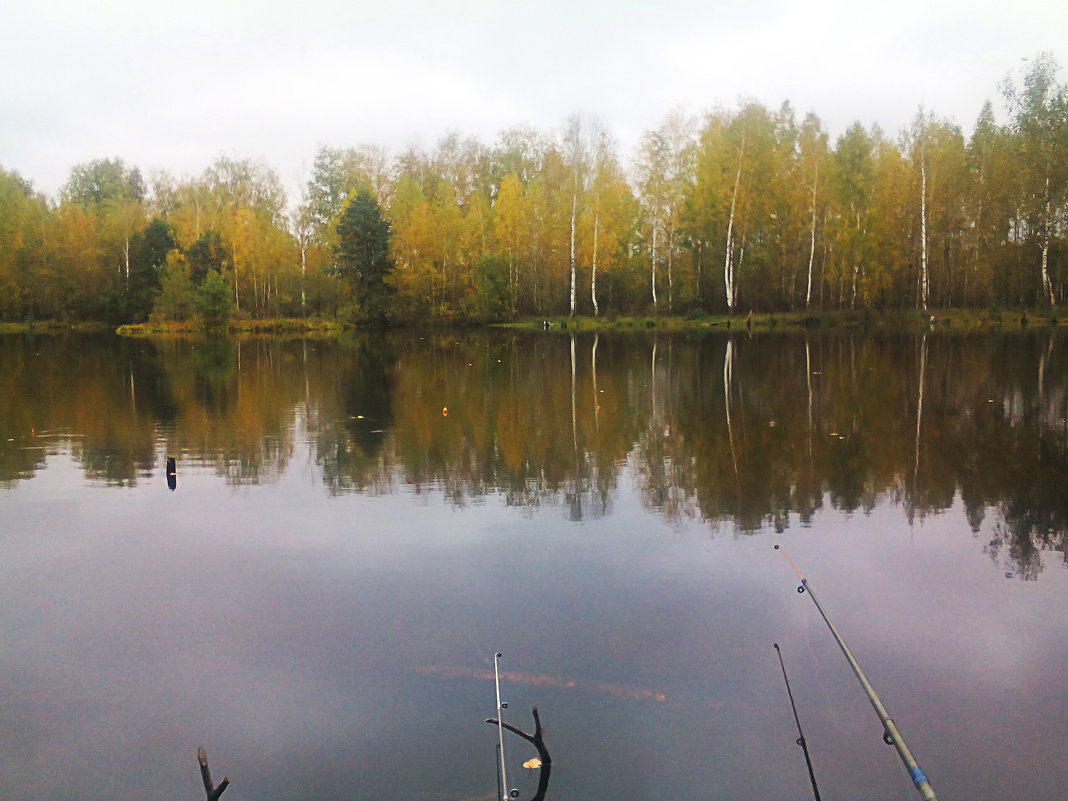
x: 574, y: 207
x: 237, y: 292
x: 671, y: 281
x: 924, y: 284
x: 652, y: 280
x: 303, y: 278
x: 728, y: 267
x: 1047, y: 284
x: 812, y: 239
x: 593, y: 267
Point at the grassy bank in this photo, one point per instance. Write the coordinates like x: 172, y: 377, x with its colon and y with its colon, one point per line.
x: 52, y: 327
x: 963, y: 319
x: 960, y: 319
x: 279, y: 326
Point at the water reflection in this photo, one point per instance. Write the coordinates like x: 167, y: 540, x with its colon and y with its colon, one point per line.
x: 750, y: 431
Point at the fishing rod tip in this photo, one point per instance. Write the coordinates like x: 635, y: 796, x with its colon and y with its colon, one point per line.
x: 776, y: 547
x: 775, y: 645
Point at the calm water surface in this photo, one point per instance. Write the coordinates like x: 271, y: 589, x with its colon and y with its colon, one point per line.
x: 358, y: 526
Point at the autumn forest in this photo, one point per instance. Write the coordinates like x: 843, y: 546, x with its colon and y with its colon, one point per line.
x: 741, y: 209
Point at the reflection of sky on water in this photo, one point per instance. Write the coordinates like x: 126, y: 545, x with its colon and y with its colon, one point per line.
x: 301, y: 638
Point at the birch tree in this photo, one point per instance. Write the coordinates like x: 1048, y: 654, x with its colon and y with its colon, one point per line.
x: 577, y: 154
x: 510, y: 228
x: 665, y: 172
x: 114, y: 194
x: 1039, y: 111
x: 919, y: 137
x: 855, y: 173
x: 813, y: 153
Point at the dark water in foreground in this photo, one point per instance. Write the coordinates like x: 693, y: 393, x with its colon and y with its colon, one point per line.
x: 358, y: 526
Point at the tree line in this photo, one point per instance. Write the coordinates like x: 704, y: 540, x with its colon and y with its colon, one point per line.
x: 741, y: 209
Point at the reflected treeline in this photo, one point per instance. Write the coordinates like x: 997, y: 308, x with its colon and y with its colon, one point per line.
x: 756, y: 431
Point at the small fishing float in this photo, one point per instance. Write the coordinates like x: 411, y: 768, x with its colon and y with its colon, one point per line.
x: 800, y: 734
x: 502, y: 772
x: 891, y: 734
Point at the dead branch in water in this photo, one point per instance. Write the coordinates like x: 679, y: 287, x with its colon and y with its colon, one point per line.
x: 535, y: 739
x: 210, y: 790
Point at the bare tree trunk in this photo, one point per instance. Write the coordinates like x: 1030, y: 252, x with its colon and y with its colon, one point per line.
x: 671, y: 281
x: 1047, y: 284
x: 593, y: 268
x: 924, y: 282
x: 512, y: 281
x: 700, y: 272
x: 653, y: 278
x: 303, y: 278
x: 126, y: 247
x: 574, y: 208
x: 237, y: 292
x: 812, y: 239
x: 728, y: 267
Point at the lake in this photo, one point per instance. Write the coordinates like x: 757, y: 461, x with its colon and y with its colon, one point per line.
x: 356, y: 527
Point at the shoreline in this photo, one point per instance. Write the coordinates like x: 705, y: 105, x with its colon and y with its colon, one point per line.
x: 944, y: 319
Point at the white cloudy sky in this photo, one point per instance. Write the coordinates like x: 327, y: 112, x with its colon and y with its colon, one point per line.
x: 172, y: 85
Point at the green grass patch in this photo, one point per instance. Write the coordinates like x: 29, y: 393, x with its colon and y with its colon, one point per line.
x: 289, y: 325
x: 899, y: 319
x: 52, y: 327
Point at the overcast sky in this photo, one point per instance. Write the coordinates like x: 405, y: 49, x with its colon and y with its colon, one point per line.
x: 175, y: 84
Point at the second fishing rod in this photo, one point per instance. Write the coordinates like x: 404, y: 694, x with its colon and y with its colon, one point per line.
x: 891, y: 734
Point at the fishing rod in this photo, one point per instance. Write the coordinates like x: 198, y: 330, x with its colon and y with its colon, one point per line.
x: 502, y: 773
x: 891, y: 734
x: 800, y: 734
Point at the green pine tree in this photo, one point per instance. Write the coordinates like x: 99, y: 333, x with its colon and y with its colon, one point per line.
x: 362, y: 253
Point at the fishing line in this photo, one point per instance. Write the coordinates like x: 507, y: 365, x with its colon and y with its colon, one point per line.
x: 830, y: 704
x: 891, y: 734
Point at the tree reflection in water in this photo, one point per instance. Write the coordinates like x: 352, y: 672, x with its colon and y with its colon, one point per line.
x: 750, y: 431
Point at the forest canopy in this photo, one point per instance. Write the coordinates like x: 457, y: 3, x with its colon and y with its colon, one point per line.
x: 739, y: 209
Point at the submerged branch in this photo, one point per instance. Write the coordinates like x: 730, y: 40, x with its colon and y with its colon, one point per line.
x: 536, y: 739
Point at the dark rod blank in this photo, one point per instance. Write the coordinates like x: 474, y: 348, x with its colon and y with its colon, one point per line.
x: 800, y: 734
